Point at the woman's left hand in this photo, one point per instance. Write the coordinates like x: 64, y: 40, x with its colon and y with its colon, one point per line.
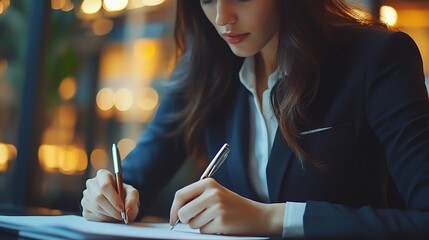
x: 210, y: 207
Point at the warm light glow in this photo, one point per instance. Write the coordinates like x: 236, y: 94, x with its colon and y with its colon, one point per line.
x: 99, y: 159
x: 141, y: 3
x: 102, y: 26
x: 68, y: 6
x: 4, y: 5
x: 105, y: 99
x: 66, y: 159
x: 135, y: 4
x: 388, y: 15
x: 114, y: 5
x: 114, y: 61
x: 12, y: 151
x: 68, y: 88
x: 124, y: 99
x: 145, y: 49
x: 67, y: 115
x: 7, y: 153
x: 152, y: 2
x: 91, y: 6
x: 147, y: 56
x: 4, y: 157
x: 48, y: 157
x: 148, y: 99
x: 125, y: 146
x: 57, y: 4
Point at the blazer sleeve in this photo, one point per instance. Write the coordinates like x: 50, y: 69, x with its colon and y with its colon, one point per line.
x: 397, y: 109
x: 157, y: 155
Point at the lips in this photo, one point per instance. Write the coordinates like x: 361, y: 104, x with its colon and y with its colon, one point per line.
x: 235, y: 38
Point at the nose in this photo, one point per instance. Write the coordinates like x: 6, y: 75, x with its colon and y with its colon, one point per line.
x: 225, y: 13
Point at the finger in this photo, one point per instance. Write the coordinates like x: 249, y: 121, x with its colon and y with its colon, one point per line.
x: 99, y: 201
x: 90, y: 204
x: 203, y: 218
x: 106, y: 185
x: 98, y: 204
x: 204, y: 208
x: 131, y: 202
x: 95, y: 213
x: 90, y: 216
x: 183, y: 196
x: 197, y: 205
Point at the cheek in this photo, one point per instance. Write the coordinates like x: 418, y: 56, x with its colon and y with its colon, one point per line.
x: 210, y: 15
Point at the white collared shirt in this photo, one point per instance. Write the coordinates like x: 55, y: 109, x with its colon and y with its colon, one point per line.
x: 263, y: 127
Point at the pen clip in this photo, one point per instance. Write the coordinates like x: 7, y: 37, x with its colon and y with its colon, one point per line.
x: 217, y: 161
x: 217, y: 164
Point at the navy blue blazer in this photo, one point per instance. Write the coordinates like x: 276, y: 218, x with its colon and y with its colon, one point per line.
x: 374, y: 108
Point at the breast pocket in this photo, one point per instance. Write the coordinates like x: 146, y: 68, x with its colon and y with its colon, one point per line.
x: 333, y: 146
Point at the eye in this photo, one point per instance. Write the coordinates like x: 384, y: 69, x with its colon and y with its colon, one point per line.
x: 205, y: 2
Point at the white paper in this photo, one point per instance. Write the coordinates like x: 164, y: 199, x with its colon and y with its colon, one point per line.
x: 76, y: 227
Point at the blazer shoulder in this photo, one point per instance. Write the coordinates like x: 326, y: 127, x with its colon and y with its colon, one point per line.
x: 370, y: 38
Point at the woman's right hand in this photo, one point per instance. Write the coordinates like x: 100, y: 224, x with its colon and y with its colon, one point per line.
x: 101, y: 202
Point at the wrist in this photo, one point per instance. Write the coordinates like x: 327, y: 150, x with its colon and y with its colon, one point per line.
x: 273, y: 217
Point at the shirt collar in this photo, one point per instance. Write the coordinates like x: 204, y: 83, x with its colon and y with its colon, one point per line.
x: 247, y: 75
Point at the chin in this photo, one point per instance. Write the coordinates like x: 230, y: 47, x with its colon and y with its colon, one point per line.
x: 242, y: 53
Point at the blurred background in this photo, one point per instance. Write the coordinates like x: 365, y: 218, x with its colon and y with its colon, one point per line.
x: 79, y: 75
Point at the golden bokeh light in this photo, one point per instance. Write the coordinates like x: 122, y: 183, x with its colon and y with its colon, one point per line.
x: 145, y: 49
x: 7, y: 153
x: 123, y: 99
x: 4, y: 5
x: 114, y: 5
x: 91, y: 6
x: 12, y: 151
x: 48, y: 157
x: 152, y: 2
x: 68, y: 6
x: 146, y: 55
x: 148, y: 99
x: 102, y: 26
x: 105, y: 99
x: 57, y: 4
x: 132, y: 4
x: 4, y: 157
x: 68, y: 88
x: 388, y: 15
x: 65, y: 159
x: 99, y: 159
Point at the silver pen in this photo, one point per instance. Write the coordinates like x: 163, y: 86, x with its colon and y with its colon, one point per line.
x: 214, y: 165
x: 118, y: 178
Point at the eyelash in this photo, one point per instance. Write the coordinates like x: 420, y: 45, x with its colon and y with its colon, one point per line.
x: 205, y: 2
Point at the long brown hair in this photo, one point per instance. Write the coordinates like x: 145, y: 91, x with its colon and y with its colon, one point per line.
x: 207, y: 67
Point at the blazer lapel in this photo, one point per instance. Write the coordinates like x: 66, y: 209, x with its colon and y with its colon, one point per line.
x: 278, y: 161
x: 239, y: 141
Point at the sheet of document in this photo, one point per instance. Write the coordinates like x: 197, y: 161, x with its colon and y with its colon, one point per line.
x: 76, y: 227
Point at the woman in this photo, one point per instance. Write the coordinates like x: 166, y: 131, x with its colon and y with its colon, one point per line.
x: 327, y: 117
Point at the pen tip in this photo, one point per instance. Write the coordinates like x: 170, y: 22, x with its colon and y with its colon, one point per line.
x: 124, y: 217
x: 175, y: 224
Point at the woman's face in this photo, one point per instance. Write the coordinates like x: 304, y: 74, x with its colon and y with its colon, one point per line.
x: 248, y: 26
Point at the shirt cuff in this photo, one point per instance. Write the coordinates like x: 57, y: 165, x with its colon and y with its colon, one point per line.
x: 293, y: 224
